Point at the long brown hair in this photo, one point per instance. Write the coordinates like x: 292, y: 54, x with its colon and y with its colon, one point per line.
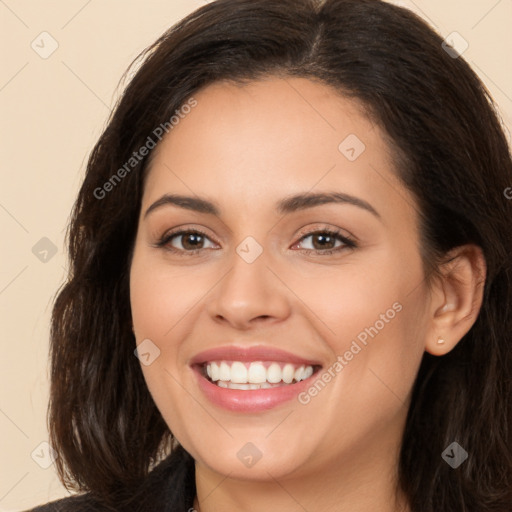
x: 451, y: 153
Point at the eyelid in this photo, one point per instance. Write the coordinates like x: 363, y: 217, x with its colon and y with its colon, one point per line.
x: 348, y: 240
x: 181, y: 230
x: 322, y: 228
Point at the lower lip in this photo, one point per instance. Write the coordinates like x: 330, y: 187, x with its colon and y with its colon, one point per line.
x: 251, y: 400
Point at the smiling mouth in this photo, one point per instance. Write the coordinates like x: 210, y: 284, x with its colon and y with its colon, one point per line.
x: 256, y: 375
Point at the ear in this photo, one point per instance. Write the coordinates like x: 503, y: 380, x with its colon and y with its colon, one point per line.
x: 456, y: 298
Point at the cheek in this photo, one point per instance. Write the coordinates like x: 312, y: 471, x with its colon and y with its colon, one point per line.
x: 160, y: 298
x: 373, y: 317
x: 382, y: 352
x: 162, y: 295
x: 354, y: 301
x: 375, y: 362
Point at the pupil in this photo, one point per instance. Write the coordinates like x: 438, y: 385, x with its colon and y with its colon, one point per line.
x: 193, y: 236
x: 324, y: 238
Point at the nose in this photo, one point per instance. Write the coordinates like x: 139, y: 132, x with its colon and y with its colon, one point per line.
x: 248, y: 294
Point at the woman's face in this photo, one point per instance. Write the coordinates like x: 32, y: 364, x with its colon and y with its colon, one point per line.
x: 263, y: 294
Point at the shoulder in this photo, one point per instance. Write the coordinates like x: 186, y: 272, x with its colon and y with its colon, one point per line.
x: 83, y: 503
x: 169, y: 486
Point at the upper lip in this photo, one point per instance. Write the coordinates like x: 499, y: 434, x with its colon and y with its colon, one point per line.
x: 249, y: 354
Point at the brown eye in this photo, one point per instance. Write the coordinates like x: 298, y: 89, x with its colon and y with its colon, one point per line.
x: 324, y: 242
x: 189, y: 241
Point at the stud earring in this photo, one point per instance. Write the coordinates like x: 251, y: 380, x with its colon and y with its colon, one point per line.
x: 440, y: 341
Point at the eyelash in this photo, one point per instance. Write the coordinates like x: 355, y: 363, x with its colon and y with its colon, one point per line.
x: 348, y: 242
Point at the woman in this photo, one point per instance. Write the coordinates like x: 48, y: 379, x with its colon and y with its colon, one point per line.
x: 290, y: 274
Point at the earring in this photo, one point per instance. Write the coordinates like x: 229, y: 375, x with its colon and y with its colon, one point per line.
x: 440, y: 341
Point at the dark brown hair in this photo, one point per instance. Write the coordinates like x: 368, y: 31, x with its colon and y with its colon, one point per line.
x: 451, y: 153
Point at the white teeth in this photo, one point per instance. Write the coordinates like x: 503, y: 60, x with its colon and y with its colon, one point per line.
x: 274, y: 373
x: 289, y: 373
x: 214, y: 370
x: 254, y: 375
x: 224, y: 371
x: 238, y: 373
x: 257, y: 373
x: 234, y: 385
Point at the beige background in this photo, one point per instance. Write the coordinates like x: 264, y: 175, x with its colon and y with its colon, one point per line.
x: 53, y: 110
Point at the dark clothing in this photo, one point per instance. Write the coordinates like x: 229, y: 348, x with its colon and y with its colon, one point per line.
x: 72, y: 504
x: 170, y: 487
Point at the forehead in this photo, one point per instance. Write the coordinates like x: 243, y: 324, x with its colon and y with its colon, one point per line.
x: 255, y: 143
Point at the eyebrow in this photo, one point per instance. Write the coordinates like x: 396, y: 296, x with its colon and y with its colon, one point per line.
x: 284, y: 206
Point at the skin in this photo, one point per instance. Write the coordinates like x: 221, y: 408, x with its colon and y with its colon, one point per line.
x: 245, y: 148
